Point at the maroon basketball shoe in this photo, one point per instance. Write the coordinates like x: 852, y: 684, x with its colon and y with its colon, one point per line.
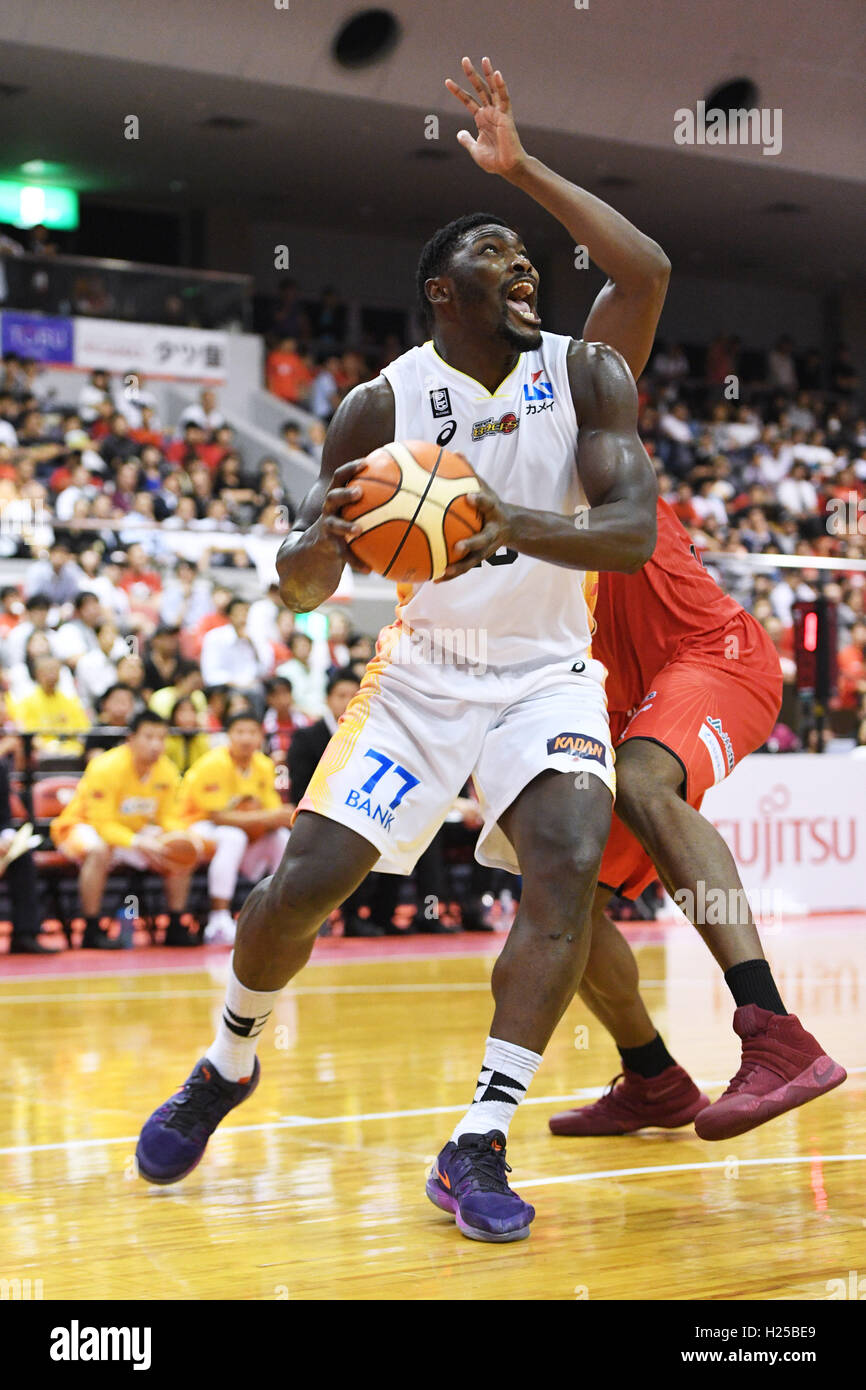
x: 783, y: 1066
x: 665, y: 1101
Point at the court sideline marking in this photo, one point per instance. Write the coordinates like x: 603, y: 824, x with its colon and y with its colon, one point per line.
x: 797, y: 926
x: 315, y: 1122
x: 217, y: 990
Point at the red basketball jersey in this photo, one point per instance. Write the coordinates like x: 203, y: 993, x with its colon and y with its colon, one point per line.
x: 646, y: 619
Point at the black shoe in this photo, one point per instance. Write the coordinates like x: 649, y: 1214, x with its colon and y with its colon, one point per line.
x: 28, y: 946
x: 95, y: 939
x: 182, y: 936
x: 472, y: 916
x: 432, y: 926
x: 363, y: 926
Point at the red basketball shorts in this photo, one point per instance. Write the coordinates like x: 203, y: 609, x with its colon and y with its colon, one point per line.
x: 710, y: 706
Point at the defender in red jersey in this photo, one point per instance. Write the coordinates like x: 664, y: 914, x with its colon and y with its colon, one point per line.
x: 689, y: 670
x: 694, y: 685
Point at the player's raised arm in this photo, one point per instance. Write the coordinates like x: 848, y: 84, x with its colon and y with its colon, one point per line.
x: 311, y: 558
x: 626, y: 311
x: 618, y: 532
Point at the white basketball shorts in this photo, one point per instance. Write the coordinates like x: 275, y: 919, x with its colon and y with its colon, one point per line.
x: 417, y: 731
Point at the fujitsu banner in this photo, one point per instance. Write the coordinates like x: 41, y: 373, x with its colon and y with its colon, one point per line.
x: 193, y: 353
x: 796, y: 825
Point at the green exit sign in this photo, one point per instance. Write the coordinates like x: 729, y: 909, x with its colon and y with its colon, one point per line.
x: 27, y: 204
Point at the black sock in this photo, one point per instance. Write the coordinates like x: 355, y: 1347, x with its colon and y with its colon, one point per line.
x: 649, y: 1060
x: 91, y: 924
x: 751, y: 982
x: 174, y: 923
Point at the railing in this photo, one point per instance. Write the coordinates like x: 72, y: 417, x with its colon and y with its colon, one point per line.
x: 32, y: 769
x: 82, y: 287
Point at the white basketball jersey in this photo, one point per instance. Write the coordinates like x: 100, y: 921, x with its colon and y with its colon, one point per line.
x: 522, y: 441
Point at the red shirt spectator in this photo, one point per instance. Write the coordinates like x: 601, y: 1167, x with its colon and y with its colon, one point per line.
x: 852, y: 668
x: 137, y: 579
x: 191, y: 641
x: 10, y: 598
x: 288, y: 375
x: 683, y: 507
x: 193, y: 441
x: 143, y: 437
x: 61, y: 477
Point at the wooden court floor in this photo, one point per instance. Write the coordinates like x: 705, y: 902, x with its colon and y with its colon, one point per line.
x: 314, y: 1188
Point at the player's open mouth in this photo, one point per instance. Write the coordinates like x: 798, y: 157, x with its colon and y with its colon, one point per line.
x: 520, y: 300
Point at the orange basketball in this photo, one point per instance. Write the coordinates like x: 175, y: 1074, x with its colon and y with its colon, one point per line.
x: 180, y: 850
x: 414, y: 509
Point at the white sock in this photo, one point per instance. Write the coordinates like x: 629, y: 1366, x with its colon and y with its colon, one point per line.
x: 505, y: 1077
x: 245, y: 1013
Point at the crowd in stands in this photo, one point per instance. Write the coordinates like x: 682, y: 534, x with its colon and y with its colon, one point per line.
x: 310, y: 363
x: 110, y: 630
x: 767, y: 453
x: 755, y: 451
x: 113, y: 644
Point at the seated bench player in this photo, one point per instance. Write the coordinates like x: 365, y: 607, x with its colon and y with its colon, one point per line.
x: 229, y: 797
x: 123, y: 809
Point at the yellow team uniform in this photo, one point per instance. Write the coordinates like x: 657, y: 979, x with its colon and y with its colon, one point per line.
x: 116, y: 803
x: 215, y: 781
x: 186, y: 751
x: 56, y: 714
x: 164, y: 700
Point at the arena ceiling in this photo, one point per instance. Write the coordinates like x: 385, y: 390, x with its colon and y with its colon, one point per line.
x: 595, y: 90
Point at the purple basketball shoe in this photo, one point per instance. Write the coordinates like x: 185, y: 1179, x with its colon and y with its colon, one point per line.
x: 468, y: 1179
x: 175, y: 1137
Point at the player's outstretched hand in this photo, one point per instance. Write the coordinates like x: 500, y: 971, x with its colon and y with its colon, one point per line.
x: 497, y: 148
x: 331, y: 525
x: 493, y: 535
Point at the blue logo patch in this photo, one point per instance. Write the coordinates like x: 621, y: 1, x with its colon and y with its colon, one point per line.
x: 538, y: 390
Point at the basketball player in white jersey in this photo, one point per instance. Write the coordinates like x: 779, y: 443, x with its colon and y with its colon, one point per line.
x: 489, y: 673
